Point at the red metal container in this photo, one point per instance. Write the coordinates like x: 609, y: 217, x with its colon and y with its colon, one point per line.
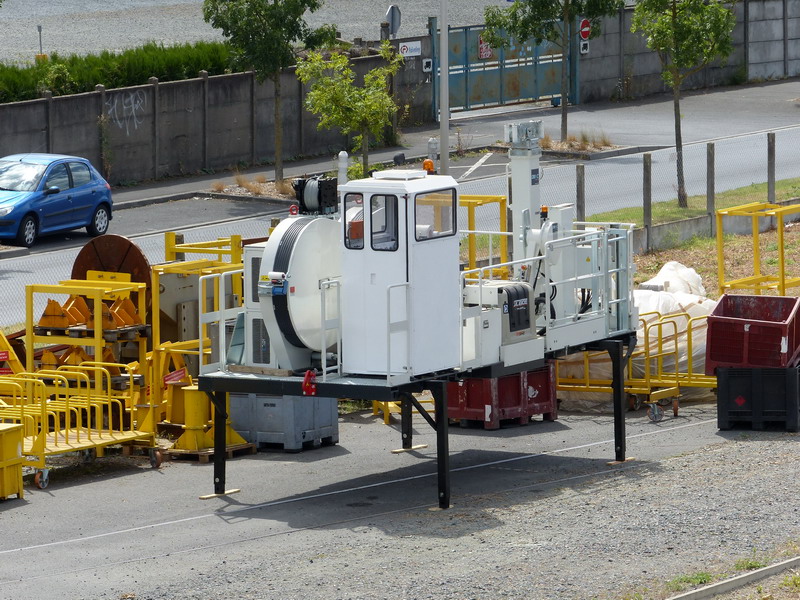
x: 753, y: 331
x: 513, y: 398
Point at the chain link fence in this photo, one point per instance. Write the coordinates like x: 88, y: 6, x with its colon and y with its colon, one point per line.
x: 610, y: 184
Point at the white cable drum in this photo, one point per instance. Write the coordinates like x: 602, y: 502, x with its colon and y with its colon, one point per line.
x: 311, y: 195
x: 307, y: 250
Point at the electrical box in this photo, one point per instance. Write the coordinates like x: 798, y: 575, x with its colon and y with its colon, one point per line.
x: 519, y: 133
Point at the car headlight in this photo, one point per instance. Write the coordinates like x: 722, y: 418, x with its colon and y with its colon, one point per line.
x: 4, y: 210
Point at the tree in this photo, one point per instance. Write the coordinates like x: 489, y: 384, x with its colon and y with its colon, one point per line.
x: 263, y: 35
x: 339, y: 102
x: 687, y: 35
x: 550, y: 20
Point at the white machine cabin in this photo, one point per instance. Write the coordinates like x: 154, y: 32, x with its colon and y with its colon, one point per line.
x: 400, y: 274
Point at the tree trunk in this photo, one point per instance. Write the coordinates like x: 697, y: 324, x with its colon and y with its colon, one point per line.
x: 365, y: 152
x: 565, y: 17
x: 677, y: 80
x: 676, y: 103
x: 276, y: 79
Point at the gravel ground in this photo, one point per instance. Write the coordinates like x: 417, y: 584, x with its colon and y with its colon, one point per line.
x: 91, y: 26
x: 630, y: 534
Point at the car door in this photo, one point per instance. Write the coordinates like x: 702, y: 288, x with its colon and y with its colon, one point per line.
x: 55, y: 208
x: 84, y: 193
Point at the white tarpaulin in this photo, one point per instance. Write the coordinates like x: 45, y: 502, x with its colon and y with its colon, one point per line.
x: 675, y: 296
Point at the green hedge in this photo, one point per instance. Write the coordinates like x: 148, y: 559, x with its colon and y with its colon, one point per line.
x: 75, y: 74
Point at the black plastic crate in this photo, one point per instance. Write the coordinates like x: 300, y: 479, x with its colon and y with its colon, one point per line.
x: 758, y: 397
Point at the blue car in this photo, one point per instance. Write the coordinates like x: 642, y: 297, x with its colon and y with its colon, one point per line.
x: 45, y: 193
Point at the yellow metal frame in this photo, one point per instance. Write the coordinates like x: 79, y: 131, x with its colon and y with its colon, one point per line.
x: 659, y: 381
x: 95, y: 292
x: 230, y: 247
x: 473, y: 201
x: 194, y: 267
x: 757, y: 282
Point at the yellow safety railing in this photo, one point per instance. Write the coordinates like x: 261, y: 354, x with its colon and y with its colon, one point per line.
x: 471, y: 202
x: 72, y: 408
x: 758, y: 282
x: 665, y: 369
x: 229, y: 248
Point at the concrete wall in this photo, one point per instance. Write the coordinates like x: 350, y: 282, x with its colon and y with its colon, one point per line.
x: 213, y: 123
x: 773, y: 36
x: 619, y: 65
x: 671, y: 235
x: 180, y: 127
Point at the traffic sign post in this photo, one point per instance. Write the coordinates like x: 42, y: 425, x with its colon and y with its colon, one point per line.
x: 585, y: 29
x: 393, y: 18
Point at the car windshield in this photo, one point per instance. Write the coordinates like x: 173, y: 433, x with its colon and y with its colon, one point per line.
x: 19, y: 176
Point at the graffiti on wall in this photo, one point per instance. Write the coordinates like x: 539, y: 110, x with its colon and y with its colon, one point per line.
x: 127, y: 109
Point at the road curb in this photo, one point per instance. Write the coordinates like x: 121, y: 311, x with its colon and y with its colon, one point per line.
x: 197, y: 194
x: 14, y: 252
x: 734, y: 583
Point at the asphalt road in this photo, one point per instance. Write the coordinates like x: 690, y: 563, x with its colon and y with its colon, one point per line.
x: 117, y: 527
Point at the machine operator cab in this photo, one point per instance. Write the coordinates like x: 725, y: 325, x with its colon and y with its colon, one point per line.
x: 400, y: 274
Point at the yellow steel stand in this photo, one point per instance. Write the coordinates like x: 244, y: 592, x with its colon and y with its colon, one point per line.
x: 197, y: 413
x: 757, y: 282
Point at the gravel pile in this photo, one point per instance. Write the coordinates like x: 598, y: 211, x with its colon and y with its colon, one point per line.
x: 91, y: 26
x: 628, y: 534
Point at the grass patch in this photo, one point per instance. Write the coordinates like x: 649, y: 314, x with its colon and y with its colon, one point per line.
x: 350, y: 406
x: 791, y: 582
x: 486, y: 246
x: 668, y: 211
x: 681, y: 583
x: 750, y: 564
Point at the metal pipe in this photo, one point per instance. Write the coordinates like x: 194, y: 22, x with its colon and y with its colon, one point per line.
x: 444, y: 90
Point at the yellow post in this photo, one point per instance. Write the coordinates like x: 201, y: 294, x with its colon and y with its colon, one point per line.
x: 781, y: 258
x: 471, y: 236
x: 169, y: 246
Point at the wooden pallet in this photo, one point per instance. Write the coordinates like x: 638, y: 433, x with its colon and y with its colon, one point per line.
x: 206, y: 454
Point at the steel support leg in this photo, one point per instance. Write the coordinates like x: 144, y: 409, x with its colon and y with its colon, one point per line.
x: 615, y: 351
x: 439, y: 391
x: 405, y: 421
x: 220, y: 425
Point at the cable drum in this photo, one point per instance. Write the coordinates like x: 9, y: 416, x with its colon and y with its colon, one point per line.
x: 311, y: 195
x: 306, y: 250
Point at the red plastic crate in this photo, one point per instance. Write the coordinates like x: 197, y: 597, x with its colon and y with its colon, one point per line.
x: 753, y: 331
x: 513, y: 397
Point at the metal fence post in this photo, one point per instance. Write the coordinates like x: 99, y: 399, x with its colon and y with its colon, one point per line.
x: 647, y: 197
x: 48, y: 98
x: 253, y: 152
x: 710, y: 186
x: 580, y: 192
x: 156, y: 129
x: 204, y: 77
x: 771, y: 167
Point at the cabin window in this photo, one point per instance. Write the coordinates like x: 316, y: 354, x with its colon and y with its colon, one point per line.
x: 435, y: 214
x: 354, y: 221
x: 383, y: 219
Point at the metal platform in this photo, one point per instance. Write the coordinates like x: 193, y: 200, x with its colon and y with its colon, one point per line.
x: 217, y: 384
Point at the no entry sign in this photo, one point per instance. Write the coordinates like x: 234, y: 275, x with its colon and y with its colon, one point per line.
x: 585, y: 29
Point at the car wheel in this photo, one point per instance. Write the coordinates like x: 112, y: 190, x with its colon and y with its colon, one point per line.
x: 99, y: 223
x: 28, y: 231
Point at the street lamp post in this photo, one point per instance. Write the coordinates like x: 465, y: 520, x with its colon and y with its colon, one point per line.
x: 444, y: 90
